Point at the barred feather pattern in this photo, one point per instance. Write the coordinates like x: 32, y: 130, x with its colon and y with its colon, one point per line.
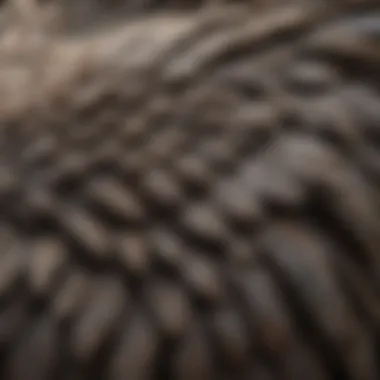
x: 198, y: 204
